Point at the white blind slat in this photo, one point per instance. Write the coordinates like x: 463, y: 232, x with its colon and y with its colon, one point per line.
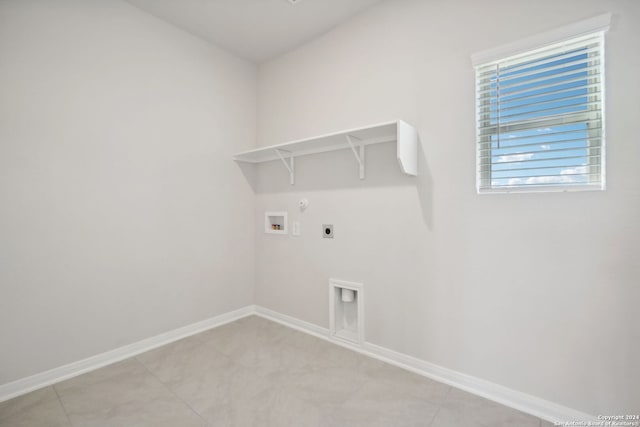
x: 487, y: 69
x: 539, y: 118
x: 508, y: 73
x: 515, y: 142
x: 544, y: 122
x: 489, y: 87
x: 574, y: 81
x: 558, y: 89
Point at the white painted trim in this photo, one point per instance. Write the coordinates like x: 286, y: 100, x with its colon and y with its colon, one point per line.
x: 514, y: 399
x: 55, y: 375
x: 521, y: 401
x: 292, y: 322
x: 576, y: 29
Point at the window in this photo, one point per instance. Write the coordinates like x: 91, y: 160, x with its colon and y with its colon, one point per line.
x: 540, y: 118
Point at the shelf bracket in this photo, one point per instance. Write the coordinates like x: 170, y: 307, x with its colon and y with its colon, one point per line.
x: 289, y: 165
x: 359, y: 155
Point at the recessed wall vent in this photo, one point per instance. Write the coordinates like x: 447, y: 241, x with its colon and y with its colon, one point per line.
x: 346, y: 311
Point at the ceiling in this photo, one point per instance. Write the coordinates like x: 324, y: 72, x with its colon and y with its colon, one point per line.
x: 255, y: 29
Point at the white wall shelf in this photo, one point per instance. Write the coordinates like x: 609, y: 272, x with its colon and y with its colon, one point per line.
x: 354, y: 139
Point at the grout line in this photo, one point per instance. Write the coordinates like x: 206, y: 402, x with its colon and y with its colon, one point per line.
x: 171, y: 391
x: 388, y: 362
x: 433, y: 418
x: 448, y: 391
x: 250, y: 368
x: 216, y: 351
x: 446, y: 396
x: 58, y: 374
x: 66, y: 414
x: 537, y: 407
x: 353, y: 394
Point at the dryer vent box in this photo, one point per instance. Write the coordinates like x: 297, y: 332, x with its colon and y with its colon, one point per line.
x: 346, y: 311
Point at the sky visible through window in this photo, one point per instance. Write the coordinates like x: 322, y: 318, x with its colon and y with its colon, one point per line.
x: 533, y: 144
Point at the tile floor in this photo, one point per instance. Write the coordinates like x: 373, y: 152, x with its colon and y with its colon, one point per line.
x: 252, y: 373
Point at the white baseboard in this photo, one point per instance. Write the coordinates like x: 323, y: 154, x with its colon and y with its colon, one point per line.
x: 52, y: 376
x: 521, y: 401
x: 514, y: 399
x: 292, y: 322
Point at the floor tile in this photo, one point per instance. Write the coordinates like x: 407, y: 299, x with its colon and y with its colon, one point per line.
x: 193, y: 370
x: 222, y: 336
x: 183, y: 360
x: 255, y: 373
x: 123, y: 394
x: 327, y: 387
x: 234, y: 338
x: 110, y: 386
x: 238, y: 397
x: 258, y: 344
x: 160, y: 412
x: 334, y: 355
x: 378, y: 404
x: 35, y: 409
x: 290, y: 410
x: 306, y: 342
x: 27, y: 401
x: 272, y: 358
x: 409, y: 383
x: 464, y: 409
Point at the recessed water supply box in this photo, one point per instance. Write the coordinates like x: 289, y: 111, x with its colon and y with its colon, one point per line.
x: 275, y: 222
x: 346, y: 311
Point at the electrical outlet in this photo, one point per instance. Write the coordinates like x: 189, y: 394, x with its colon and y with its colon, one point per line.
x: 327, y: 231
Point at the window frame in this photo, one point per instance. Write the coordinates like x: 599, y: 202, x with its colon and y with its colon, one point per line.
x: 596, y: 26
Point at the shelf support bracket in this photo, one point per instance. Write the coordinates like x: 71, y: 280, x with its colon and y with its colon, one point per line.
x: 359, y: 154
x: 289, y: 165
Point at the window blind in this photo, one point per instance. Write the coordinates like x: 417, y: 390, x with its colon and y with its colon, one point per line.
x: 540, y: 118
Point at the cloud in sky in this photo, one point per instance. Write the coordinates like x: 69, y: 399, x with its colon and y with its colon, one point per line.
x: 573, y: 171
x: 567, y: 176
x: 515, y: 157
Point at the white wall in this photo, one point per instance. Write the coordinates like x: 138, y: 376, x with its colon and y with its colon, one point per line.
x: 121, y: 214
x: 537, y: 292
